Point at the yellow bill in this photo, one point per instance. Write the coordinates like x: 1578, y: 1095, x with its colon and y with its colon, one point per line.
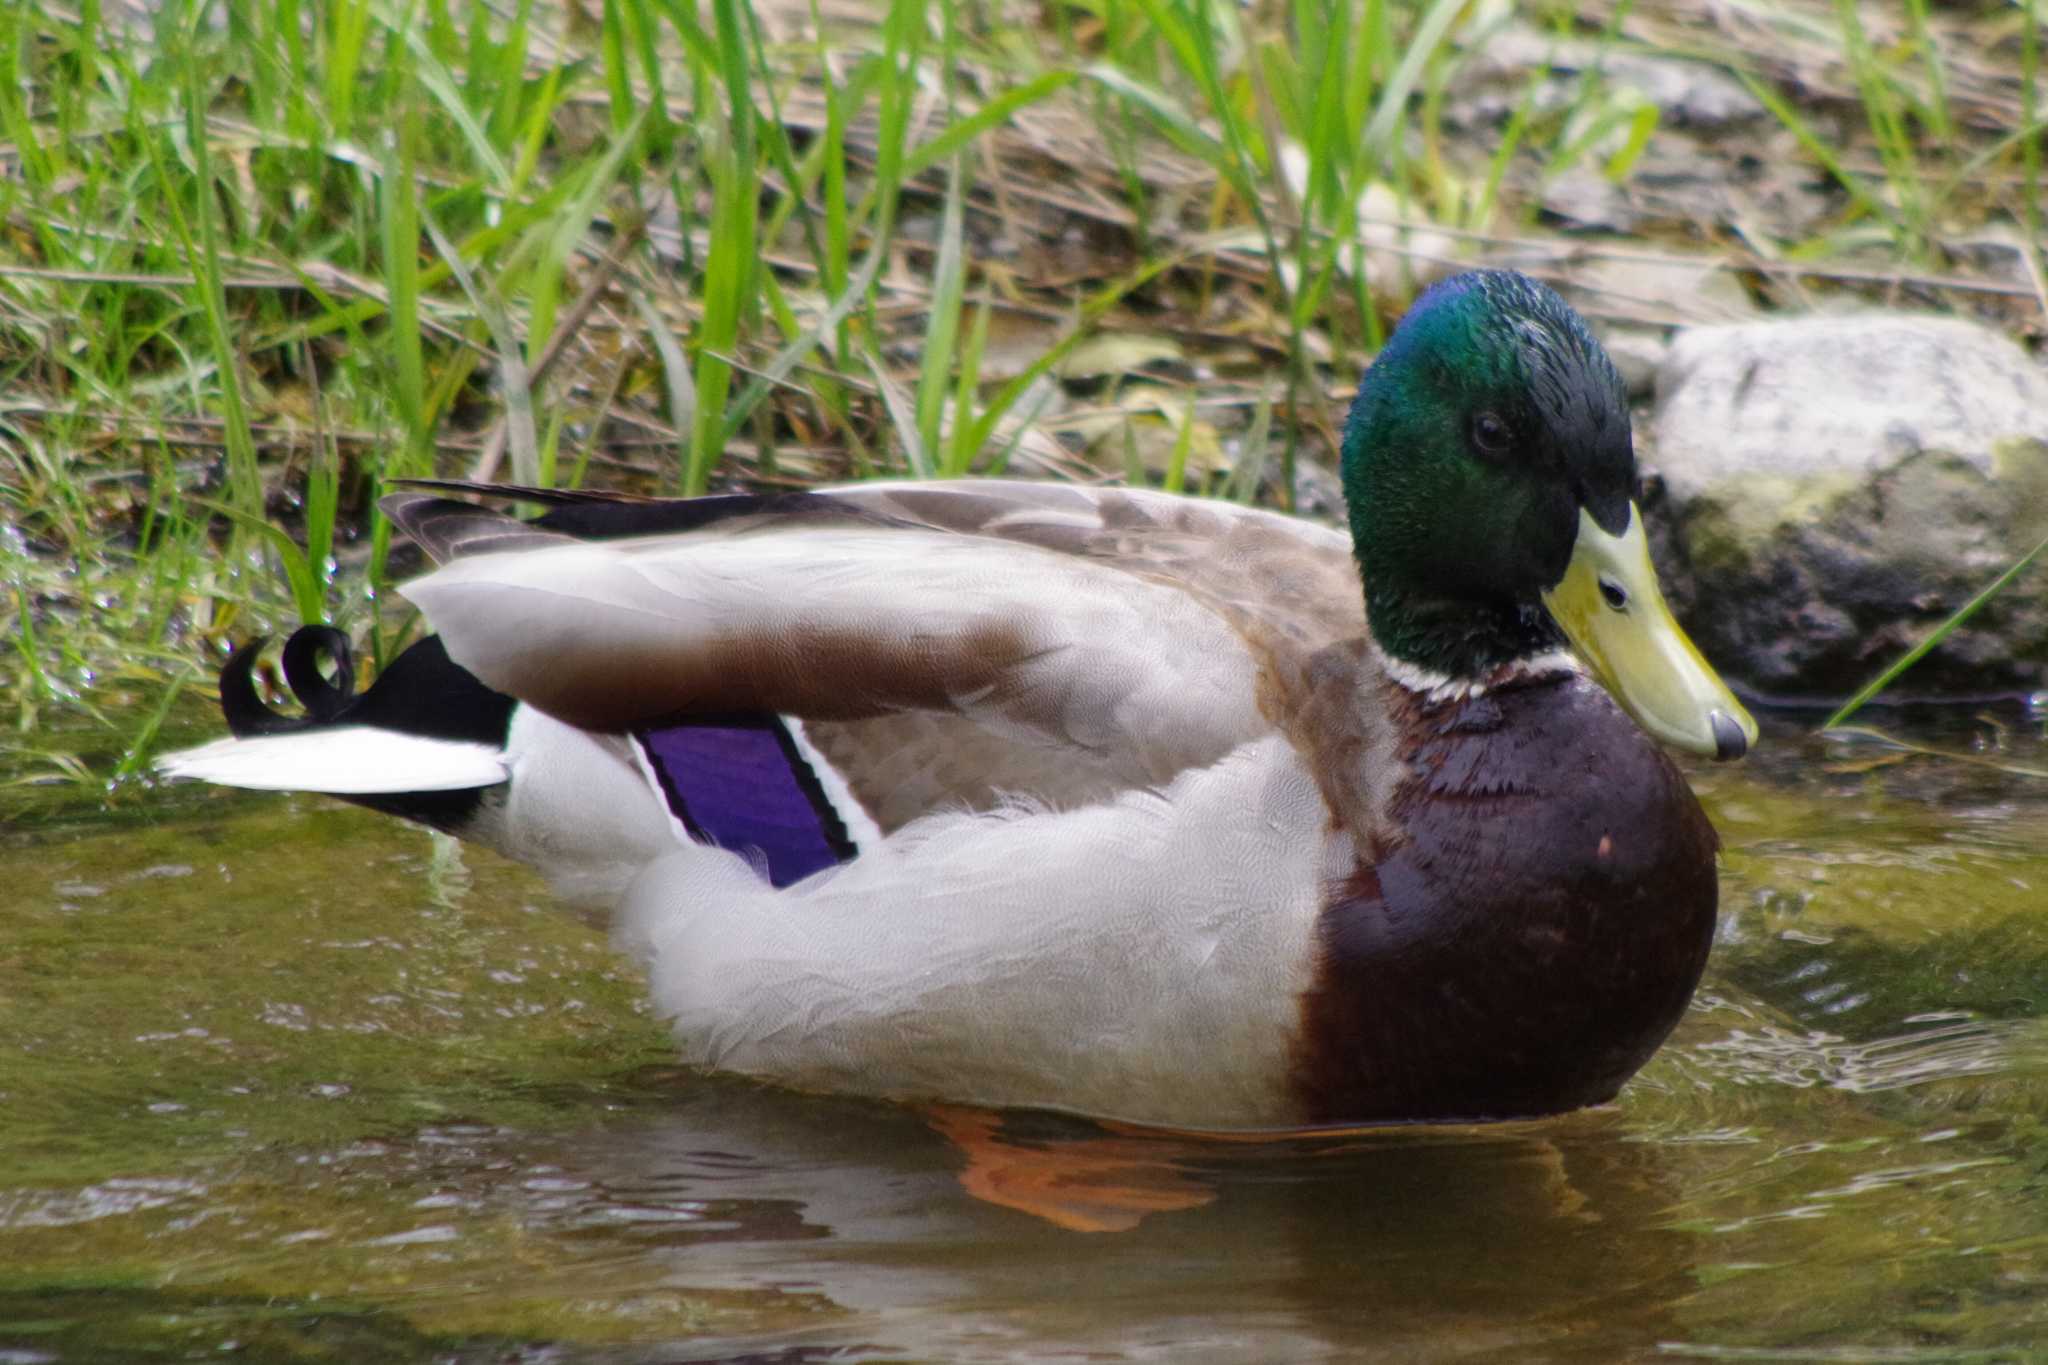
x: 1611, y: 608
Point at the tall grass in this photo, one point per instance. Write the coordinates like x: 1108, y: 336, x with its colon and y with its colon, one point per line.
x: 1916, y: 173
x: 257, y: 215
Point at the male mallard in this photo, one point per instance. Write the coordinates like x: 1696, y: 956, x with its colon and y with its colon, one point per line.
x: 1098, y: 799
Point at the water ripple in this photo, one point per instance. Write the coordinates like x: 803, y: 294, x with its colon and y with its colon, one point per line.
x: 108, y: 1199
x: 1777, y: 1056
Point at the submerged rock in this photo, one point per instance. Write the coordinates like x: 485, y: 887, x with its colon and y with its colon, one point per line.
x: 1832, y: 488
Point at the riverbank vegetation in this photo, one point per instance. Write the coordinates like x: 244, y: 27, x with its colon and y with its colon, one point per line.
x: 259, y: 259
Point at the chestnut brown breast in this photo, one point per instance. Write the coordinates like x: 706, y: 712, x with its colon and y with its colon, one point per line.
x: 1534, y: 932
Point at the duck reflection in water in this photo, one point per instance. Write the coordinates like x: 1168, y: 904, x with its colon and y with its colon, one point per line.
x: 1547, y: 1238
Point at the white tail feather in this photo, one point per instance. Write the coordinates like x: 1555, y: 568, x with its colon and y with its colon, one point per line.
x: 348, y: 760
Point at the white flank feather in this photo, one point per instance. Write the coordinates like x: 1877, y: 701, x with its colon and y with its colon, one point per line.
x: 1091, y: 960
x: 348, y: 760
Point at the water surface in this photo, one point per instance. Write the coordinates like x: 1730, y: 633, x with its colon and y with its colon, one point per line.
x: 282, y: 1080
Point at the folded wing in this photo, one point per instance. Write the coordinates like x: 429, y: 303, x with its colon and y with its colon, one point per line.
x: 938, y: 646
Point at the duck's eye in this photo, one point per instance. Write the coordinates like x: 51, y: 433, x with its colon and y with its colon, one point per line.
x: 1613, y: 594
x: 1490, y: 434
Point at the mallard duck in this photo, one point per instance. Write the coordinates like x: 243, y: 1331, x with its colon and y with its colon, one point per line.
x: 1097, y: 799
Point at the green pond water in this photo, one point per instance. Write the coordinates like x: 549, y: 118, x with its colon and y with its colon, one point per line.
x: 282, y: 1080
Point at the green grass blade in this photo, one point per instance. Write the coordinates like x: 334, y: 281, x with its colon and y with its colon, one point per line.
x: 1934, y: 638
x: 565, y: 231
x: 244, y: 478
x: 515, y: 382
x: 729, y: 266
x: 307, y: 593
x: 1092, y: 311
x: 991, y: 115
x: 1816, y: 147
x: 942, y: 321
x: 1175, y: 122
x: 903, y: 413
x: 675, y: 366
x: 440, y: 83
x: 778, y: 370
x: 1183, y: 442
x: 1393, y: 101
x: 398, y: 221
x: 136, y: 756
x: 966, y: 386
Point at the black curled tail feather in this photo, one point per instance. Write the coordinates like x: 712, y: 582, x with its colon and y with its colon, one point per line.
x: 246, y: 713
x: 421, y: 692
x: 324, y: 701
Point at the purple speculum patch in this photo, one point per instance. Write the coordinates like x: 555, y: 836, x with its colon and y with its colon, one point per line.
x: 741, y: 782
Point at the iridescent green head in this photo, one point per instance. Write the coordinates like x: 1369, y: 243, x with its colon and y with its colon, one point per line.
x: 1490, y: 478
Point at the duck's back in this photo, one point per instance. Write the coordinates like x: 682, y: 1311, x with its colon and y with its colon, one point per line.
x: 935, y: 646
x: 1275, y: 590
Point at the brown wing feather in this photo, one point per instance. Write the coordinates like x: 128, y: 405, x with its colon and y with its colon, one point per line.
x: 1119, y: 638
x: 1284, y: 581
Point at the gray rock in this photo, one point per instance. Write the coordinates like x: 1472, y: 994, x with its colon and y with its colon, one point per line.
x: 1832, y: 488
x: 1638, y: 352
x: 1690, y: 94
x: 1994, y: 252
x: 1586, y: 201
x: 1648, y: 288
